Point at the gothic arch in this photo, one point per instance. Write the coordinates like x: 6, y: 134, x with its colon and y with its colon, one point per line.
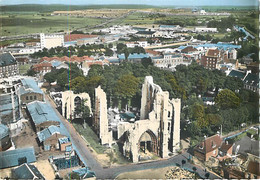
x: 148, y: 141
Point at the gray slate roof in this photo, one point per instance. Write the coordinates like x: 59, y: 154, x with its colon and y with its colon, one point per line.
x: 12, y: 158
x: 252, y: 79
x: 27, y: 171
x: 7, y: 59
x: 238, y: 74
x: 4, y: 131
x: 41, y: 112
x: 29, y: 85
x: 48, y: 132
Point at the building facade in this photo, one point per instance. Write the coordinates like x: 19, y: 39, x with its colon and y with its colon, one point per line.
x: 8, y: 66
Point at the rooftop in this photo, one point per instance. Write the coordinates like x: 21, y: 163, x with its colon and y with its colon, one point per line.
x: 29, y: 85
x: 16, y: 157
x: 7, y: 59
x: 252, y: 79
x: 236, y: 73
x: 209, y: 144
x: 146, y: 32
x: 48, y: 132
x: 41, y: 112
x: 27, y: 171
x: 134, y: 56
x: 3, y: 131
x: 74, y: 37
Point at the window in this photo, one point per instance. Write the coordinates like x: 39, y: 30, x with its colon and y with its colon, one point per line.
x: 34, y: 97
x: 27, y: 98
x: 31, y: 97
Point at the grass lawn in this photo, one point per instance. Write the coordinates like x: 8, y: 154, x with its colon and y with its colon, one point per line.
x: 18, y: 24
x: 91, y: 137
x: 24, y: 68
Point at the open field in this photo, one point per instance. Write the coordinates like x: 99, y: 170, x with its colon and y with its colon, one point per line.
x: 18, y: 24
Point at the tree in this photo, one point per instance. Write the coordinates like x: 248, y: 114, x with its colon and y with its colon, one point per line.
x: 146, y: 62
x: 50, y: 77
x: 78, y: 84
x: 198, y: 113
x: 82, y: 110
x: 31, y: 72
x: 227, y: 99
x: 126, y: 87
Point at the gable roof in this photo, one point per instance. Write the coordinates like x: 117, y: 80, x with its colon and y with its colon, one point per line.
x: 48, y: 132
x: 212, y: 52
x: 7, y: 59
x: 41, y: 112
x: 236, y: 73
x: 146, y: 32
x: 16, y: 157
x: 209, y: 144
x: 188, y: 49
x: 252, y: 79
x: 29, y: 85
x: 27, y: 171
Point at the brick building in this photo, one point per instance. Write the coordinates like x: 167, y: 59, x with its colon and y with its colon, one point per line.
x: 213, y: 147
x: 210, y: 59
x: 8, y: 65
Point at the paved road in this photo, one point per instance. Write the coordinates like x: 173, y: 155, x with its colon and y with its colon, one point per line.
x: 111, y: 173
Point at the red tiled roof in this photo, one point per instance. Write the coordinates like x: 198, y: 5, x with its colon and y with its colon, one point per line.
x: 74, y: 37
x: 42, y: 65
x: 152, y: 52
x: 213, y: 52
x: 189, y: 49
x: 67, y: 59
x: 210, y: 144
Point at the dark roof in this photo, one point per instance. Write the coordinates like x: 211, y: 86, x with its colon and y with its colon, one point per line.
x: 238, y: 74
x: 209, y: 144
x: 27, y: 171
x: 7, y: 59
x: 253, y: 167
x: 146, y: 32
x: 225, y: 147
x: 16, y: 157
x: 213, y: 52
x: 252, y: 79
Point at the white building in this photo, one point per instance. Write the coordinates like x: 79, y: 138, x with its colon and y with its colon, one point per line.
x: 51, y: 41
x: 137, y: 43
x: 205, y: 29
x: 167, y: 61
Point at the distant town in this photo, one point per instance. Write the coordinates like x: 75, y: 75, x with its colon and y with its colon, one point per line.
x: 129, y: 92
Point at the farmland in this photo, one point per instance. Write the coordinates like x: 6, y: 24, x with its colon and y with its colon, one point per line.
x: 17, y: 24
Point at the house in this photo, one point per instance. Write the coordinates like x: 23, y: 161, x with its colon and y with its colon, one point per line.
x: 205, y: 29
x: 251, y: 82
x: 22, y: 60
x: 29, y: 91
x: 146, y: 34
x: 213, y: 147
x: 137, y: 43
x: 42, y: 115
x: 167, y: 60
x: 136, y: 58
x: 8, y: 65
x: 210, y: 59
x: 27, y: 171
x: 53, y: 138
x: 17, y: 157
x: 42, y: 68
x: 58, y: 65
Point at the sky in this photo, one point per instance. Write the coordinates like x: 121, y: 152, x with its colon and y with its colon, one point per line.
x: 148, y: 2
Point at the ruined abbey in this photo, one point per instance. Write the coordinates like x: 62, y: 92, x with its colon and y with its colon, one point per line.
x: 157, y: 131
